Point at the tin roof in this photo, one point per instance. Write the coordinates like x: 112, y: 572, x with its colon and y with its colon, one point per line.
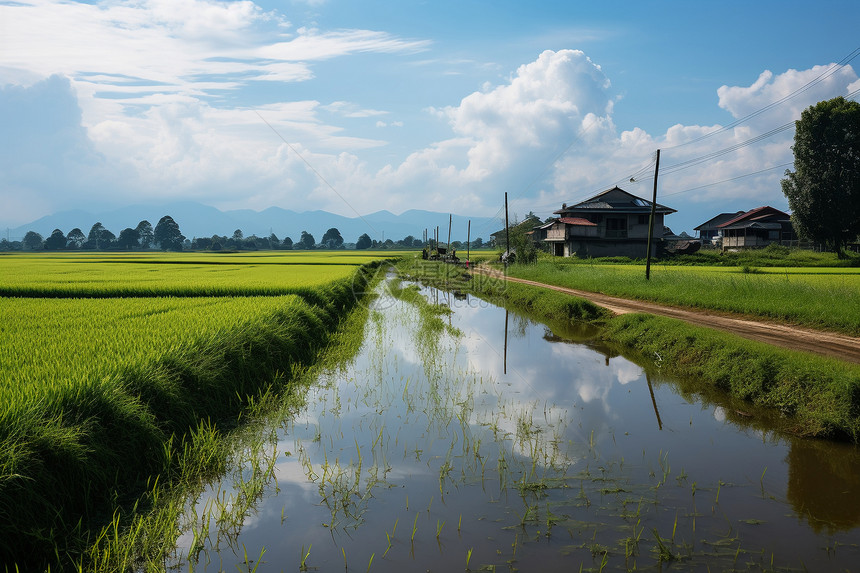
x: 757, y: 214
x: 615, y: 199
x: 577, y: 221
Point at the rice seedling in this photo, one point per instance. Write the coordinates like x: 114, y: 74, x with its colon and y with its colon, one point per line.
x: 150, y: 372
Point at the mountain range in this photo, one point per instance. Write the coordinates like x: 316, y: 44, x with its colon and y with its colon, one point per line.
x: 198, y: 220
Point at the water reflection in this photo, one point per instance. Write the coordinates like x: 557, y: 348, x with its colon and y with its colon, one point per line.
x: 824, y: 484
x: 527, y: 446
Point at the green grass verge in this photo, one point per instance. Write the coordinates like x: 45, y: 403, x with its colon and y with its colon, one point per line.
x: 826, y: 301
x: 810, y: 395
x: 75, y: 457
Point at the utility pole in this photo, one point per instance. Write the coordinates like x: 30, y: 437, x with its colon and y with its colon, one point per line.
x: 507, y: 232
x: 450, y: 218
x: 468, y: 240
x: 651, y: 220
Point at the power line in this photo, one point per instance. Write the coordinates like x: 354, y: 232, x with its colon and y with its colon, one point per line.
x: 726, y: 150
x: 317, y: 173
x: 820, y: 78
x: 727, y: 180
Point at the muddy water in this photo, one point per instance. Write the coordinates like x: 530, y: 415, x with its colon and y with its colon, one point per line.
x: 488, y: 441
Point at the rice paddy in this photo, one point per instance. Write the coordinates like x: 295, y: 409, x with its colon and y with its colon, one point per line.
x: 110, y: 382
x: 441, y: 433
x: 173, y: 274
x: 497, y: 444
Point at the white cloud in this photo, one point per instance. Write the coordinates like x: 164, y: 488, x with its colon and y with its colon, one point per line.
x: 824, y: 82
x: 156, y: 83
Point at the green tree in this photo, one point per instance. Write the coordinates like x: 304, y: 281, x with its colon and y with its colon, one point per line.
x: 201, y: 243
x: 288, y: 244
x: 32, y: 241
x: 108, y: 239
x: 128, y: 238
x: 307, y: 241
x: 364, y: 242
x: 824, y: 190
x: 167, y: 234
x: 94, y: 238
x: 332, y: 239
x: 75, y: 239
x: 56, y: 241
x: 145, y: 234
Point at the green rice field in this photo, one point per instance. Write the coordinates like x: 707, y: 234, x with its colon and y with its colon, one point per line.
x: 110, y: 363
x: 173, y: 274
x: 818, y: 297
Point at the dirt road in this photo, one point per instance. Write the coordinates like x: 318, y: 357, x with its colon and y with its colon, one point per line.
x: 796, y: 338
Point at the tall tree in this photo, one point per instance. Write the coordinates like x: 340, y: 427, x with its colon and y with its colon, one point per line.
x: 167, y: 234
x: 94, y: 238
x: 128, y: 238
x: 332, y: 239
x: 307, y: 241
x: 75, y: 239
x: 56, y: 241
x: 364, y: 242
x: 32, y: 241
x: 108, y: 239
x: 145, y: 234
x: 287, y: 243
x: 824, y: 190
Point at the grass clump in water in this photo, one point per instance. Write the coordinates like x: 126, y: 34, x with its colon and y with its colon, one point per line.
x: 95, y: 452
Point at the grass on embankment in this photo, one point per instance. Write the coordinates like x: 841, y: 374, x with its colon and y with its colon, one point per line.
x: 75, y: 456
x: 818, y: 397
x: 829, y: 301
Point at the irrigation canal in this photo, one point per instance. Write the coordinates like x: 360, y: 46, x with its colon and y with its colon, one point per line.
x: 482, y: 440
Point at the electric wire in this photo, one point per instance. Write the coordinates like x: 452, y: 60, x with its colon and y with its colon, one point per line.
x: 317, y: 173
x: 727, y: 180
x: 820, y: 78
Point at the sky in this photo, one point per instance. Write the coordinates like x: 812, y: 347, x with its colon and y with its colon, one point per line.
x: 356, y: 106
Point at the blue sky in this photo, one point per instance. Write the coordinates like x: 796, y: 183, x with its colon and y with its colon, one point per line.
x: 354, y: 107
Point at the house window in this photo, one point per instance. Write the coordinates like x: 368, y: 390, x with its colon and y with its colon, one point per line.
x: 616, y: 227
x: 642, y: 220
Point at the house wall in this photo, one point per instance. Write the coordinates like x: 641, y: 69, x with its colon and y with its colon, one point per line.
x: 556, y: 232
x: 585, y: 248
x: 581, y: 231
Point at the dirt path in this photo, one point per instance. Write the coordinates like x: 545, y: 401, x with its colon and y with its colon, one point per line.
x: 796, y: 338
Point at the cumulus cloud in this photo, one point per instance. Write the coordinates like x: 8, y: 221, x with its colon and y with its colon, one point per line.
x: 143, y: 90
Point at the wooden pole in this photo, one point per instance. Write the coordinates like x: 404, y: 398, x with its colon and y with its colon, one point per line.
x: 651, y: 220
x: 507, y: 231
x: 450, y: 218
x: 468, y: 240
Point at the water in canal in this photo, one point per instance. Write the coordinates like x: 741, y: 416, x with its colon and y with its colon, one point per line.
x: 483, y: 440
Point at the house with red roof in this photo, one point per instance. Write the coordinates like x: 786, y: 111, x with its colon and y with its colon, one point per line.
x: 757, y: 228
x: 613, y: 223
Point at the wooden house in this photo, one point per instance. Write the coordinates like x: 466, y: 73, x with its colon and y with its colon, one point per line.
x: 612, y: 223
x: 757, y: 228
x: 709, y: 231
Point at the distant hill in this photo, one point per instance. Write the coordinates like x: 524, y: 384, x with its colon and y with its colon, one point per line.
x: 197, y: 220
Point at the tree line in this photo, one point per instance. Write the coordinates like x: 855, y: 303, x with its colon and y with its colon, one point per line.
x: 166, y: 236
